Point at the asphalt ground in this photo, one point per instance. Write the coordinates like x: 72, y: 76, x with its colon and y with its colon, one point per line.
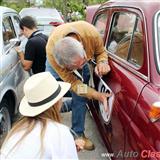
x: 91, y: 132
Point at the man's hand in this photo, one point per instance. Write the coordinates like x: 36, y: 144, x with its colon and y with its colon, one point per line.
x: 102, y: 97
x: 102, y: 68
x: 18, y: 50
x: 27, y: 64
x: 79, y: 144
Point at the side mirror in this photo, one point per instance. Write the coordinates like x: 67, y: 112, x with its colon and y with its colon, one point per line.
x: 14, y: 42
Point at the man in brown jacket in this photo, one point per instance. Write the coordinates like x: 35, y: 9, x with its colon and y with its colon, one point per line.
x: 69, y: 48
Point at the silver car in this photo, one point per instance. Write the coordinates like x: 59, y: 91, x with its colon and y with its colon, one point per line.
x: 12, y: 75
x: 47, y: 18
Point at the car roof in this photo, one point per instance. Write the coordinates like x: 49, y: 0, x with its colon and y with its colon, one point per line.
x: 6, y: 9
x: 39, y: 12
x: 91, y: 9
x: 144, y: 5
x: 133, y: 1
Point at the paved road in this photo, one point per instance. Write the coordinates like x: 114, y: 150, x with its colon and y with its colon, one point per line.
x: 92, y: 133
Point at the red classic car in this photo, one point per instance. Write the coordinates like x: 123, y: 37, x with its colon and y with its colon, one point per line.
x: 131, y: 33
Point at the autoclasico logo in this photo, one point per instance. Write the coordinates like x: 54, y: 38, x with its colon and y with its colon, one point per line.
x: 150, y: 154
x: 129, y: 154
x: 121, y: 154
x: 133, y: 154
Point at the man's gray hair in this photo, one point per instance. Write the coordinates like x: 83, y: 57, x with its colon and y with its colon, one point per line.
x: 66, y: 49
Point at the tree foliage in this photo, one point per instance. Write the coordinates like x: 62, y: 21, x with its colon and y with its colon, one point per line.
x: 64, y: 6
x: 1, y: 2
x: 15, y: 5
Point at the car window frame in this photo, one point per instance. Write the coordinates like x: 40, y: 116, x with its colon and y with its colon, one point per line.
x: 157, y: 40
x: 13, y: 20
x: 118, y: 60
x: 145, y: 74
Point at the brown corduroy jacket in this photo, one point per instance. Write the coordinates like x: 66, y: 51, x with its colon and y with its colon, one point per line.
x: 92, y: 43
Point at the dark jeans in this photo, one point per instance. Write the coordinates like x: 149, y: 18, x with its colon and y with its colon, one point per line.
x: 77, y: 103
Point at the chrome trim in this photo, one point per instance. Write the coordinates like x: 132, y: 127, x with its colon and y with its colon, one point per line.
x: 8, y: 50
x: 125, y: 63
x: 153, y: 120
x: 147, y: 49
x: 147, y: 78
x: 156, y: 41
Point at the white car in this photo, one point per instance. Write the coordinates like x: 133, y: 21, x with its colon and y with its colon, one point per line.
x: 12, y: 75
x: 47, y: 18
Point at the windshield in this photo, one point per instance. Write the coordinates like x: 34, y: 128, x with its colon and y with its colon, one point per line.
x: 46, y: 29
x: 46, y: 20
x: 44, y: 24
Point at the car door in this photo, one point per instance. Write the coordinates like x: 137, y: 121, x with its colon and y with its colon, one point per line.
x: 127, y: 57
x: 9, y: 55
x: 100, y: 21
x: 10, y: 64
x: 21, y: 75
x: 114, y: 129
x: 146, y: 129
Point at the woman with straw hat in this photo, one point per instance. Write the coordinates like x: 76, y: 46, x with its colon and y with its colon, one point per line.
x: 39, y: 134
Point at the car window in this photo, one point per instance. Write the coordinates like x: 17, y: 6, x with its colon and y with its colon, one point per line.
x: 100, y: 23
x: 126, y: 38
x: 16, y: 23
x: 8, y: 30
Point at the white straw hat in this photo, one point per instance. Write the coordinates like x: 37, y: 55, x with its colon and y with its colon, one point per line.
x: 41, y: 91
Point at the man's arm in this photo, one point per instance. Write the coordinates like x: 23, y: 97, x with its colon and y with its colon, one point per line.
x: 69, y: 77
x: 25, y: 63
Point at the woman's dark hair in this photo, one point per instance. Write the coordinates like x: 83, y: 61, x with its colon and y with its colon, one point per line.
x: 28, y: 22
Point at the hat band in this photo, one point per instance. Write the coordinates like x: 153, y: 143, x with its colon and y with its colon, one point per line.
x: 54, y: 95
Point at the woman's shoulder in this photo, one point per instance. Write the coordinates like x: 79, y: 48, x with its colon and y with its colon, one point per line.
x: 58, y: 131
x: 51, y: 125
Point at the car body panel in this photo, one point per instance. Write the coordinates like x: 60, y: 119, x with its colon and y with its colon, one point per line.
x: 150, y: 129
x: 136, y: 87
x: 12, y: 73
